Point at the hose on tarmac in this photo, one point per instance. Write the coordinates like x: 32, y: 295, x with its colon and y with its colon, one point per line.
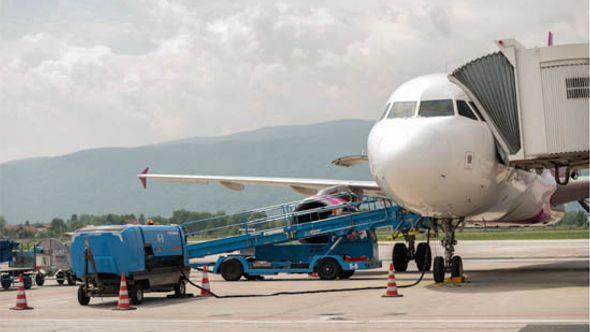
x: 318, y: 291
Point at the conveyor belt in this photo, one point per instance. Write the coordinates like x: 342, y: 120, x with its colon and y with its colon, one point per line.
x: 371, y: 215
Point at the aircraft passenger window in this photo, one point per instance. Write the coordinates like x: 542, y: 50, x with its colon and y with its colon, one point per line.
x: 464, y: 110
x: 429, y: 108
x: 402, y: 109
x: 385, y: 112
x: 474, y: 108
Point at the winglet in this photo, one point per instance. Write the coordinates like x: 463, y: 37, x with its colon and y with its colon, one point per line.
x: 143, y: 178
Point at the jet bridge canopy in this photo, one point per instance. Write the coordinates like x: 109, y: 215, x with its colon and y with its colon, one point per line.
x: 535, y: 100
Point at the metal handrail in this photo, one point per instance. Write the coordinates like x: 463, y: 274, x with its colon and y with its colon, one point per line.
x: 272, y: 214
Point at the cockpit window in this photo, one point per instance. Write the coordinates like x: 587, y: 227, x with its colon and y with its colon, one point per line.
x: 385, y: 111
x: 402, y: 109
x: 429, y: 108
x: 464, y: 110
x: 474, y: 108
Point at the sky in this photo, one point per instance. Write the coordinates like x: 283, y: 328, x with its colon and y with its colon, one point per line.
x: 84, y: 74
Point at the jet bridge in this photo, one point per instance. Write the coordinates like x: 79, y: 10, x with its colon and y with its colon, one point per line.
x: 535, y: 100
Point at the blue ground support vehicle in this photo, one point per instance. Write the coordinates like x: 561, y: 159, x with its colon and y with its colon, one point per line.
x: 277, y: 239
x: 284, y: 238
x: 339, y: 257
x: 19, y: 262
x: 153, y: 259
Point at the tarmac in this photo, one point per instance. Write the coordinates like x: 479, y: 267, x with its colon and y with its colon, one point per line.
x: 512, y: 285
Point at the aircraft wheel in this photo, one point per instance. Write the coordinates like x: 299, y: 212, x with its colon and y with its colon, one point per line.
x: 438, y: 269
x: 423, y: 257
x: 400, y: 257
x: 456, y: 267
x: 231, y: 270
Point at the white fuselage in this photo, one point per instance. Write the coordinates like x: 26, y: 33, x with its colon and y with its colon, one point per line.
x: 447, y: 166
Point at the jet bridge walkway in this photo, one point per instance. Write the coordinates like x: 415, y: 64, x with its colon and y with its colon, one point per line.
x: 282, y: 223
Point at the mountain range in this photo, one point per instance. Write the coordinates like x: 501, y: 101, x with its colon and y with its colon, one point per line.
x: 100, y: 181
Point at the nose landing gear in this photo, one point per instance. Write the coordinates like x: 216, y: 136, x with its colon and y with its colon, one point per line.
x: 450, y: 262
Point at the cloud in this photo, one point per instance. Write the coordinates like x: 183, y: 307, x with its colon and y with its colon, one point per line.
x: 76, y: 76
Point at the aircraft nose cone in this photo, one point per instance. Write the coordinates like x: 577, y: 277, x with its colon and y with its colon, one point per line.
x: 412, y: 162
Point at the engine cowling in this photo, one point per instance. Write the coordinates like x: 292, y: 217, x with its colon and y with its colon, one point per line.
x: 318, y: 202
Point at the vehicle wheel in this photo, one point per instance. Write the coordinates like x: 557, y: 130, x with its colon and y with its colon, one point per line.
x: 400, y: 257
x: 6, y: 283
x: 71, y: 279
x: 28, y: 281
x: 39, y: 279
x: 328, y: 269
x: 456, y: 267
x: 345, y: 274
x: 136, y: 294
x: 180, y: 288
x: 60, y: 277
x: 231, y: 270
x: 423, y: 257
x: 83, y: 299
x: 438, y: 269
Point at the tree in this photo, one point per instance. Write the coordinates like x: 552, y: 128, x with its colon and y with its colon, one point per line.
x: 2, y: 226
x: 58, y: 227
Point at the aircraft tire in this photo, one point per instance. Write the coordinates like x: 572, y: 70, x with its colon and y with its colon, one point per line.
x: 400, y: 257
x: 438, y: 269
x: 456, y: 267
x: 423, y: 257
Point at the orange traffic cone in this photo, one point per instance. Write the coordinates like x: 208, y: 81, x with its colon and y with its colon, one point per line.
x: 206, y: 289
x: 391, y: 286
x: 123, y: 303
x: 21, y: 297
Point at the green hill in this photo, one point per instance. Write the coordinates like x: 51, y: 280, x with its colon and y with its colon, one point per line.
x: 104, y: 180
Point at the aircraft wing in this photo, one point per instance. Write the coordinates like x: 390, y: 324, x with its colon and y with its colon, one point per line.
x: 238, y: 183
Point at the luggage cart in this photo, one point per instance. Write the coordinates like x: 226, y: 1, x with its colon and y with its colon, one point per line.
x: 53, y: 261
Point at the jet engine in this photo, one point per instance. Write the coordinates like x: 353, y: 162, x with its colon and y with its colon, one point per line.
x: 322, y: 203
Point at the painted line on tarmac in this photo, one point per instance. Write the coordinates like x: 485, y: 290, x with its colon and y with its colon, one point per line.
x: 525, y: 258
x: 426, y: 320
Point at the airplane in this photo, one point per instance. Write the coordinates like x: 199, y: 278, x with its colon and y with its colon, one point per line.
x: 432, y: 152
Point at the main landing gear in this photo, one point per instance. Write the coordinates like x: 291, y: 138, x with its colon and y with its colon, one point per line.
x: 449, y: 263
x: 403, y: 254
